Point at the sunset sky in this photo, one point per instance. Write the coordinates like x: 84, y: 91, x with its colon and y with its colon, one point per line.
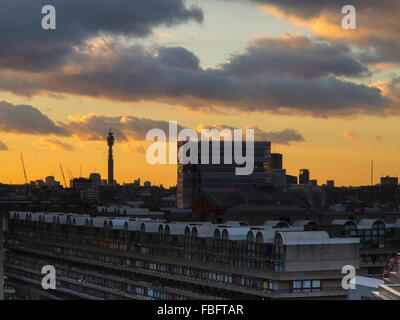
x: 328, y: 98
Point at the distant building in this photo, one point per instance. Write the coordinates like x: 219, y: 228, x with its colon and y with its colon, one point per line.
x: 314, y: 182
x: 364, y: 287
x: 304, y: 176
x: 173, y: 260
x: 278, y: 178
x: 96, y: 178
x: 38, y: 183
x: 79, y: 184
x: 51, y: 182
x: 389, y: 182
x: 330, y: 184
x: 276, y: 161
x: 89, y: 195
x: 317, y: 196
x: 390, y: 289
x: 168, y: 202
x: 196, y: 178
x: 291, y: 179
x: 147, y: 184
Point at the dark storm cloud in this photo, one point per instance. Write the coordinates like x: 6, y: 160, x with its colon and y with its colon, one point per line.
x: 25, y: 119
x: 297, y: 55
x: 378, y: 23
x: 257, y: 80
x: 291, y: 74
x: 26, y: 46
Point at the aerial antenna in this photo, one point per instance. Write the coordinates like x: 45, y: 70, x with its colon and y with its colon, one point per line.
x: 372, y: 172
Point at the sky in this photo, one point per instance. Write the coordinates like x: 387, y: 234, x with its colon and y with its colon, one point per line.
x: 327, y: 98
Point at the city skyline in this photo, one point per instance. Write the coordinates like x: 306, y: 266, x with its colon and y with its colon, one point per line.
x: 327, y: 98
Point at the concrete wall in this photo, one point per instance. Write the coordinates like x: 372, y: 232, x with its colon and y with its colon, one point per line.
x: 321, y: 257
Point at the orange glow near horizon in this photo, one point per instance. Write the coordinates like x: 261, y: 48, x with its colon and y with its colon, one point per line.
x: 326, y: 152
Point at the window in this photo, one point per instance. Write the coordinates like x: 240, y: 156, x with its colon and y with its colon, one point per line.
x: 273, y: 286
x: 306, y: 285
x: 297, y: 286
x: 316, y: 285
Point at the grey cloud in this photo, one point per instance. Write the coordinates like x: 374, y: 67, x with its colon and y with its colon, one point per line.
x: 378, y: 22
x: 26, y: 46
x: 178, y: 57
x: 296, y: 55
x: 3, y: 146
x: 134, y: 74
x: 25, y: 119
x: 94, y: 127
x: 285, y: 137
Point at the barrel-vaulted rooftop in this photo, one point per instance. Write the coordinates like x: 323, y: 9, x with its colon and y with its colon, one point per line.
x: 231, y: 230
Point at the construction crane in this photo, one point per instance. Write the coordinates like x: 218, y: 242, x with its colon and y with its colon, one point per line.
x: 62, y: 172
x: 71, y: 176
x: 23, y: 167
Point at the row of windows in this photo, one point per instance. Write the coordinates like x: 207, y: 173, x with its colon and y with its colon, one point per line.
x: 306, y: 285
x: 208, y: 275
x: 85, y: 279
x: 253, y: 256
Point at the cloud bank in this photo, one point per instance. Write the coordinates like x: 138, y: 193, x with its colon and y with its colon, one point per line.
x: 29, y: 120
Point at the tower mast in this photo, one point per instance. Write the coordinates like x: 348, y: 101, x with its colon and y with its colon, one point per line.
x: 110, y: 142
x: 372, y: 172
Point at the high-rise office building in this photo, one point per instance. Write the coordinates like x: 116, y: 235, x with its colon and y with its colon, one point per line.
x: 291, y: 179
x: 96, y: 178
x: 276, y: 161
x: 389, y: 182
x: 110, y: 142
x: 304, y: 176
x: 194, y: 179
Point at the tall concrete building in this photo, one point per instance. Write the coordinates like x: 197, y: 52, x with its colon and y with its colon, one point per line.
x: 389, y: 183
x: 276, y: 161
x: 193, y: 179
x: 121, y: 258
x: 110, y: 142
x: 304, y: 176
